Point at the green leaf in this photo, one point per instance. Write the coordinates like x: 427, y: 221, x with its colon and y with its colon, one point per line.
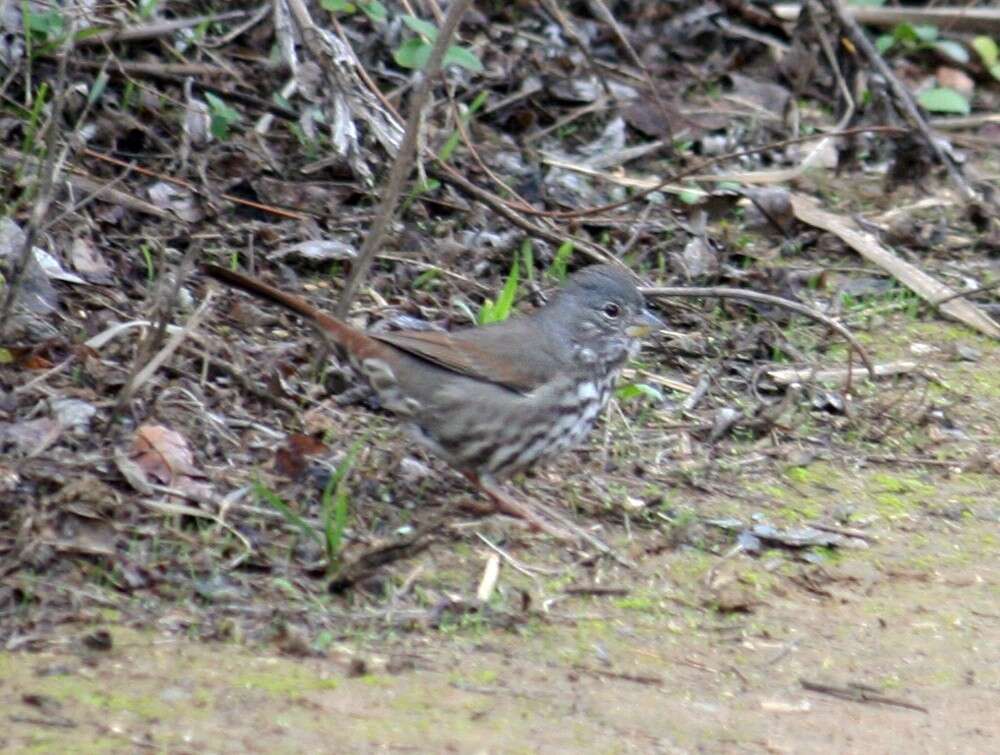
x: 338, y: 6
x: 88, y: 32
x: 425, y: 277
x: 500, y: 311
x: 49, y: 24
x: 98, y: 87
x: 987, y: 49
x: 452, y: 142
x: 486, y: 311
x: 268, y: 496
x: 528, y: 257
x: 884, y: 43
x: 477, y: 103
x: 558, y: 267
x: 952, y: 50
x: 691, y: 196
x: 413, y: 53
x: 420, y: 187
x: 334, y: 503
x: 905, y: 34
x: 638, y: 390
x: 147, y: 8
x: 926, y: 33
x: 463, y: 57
x: 374, y: 10
x: 944, y: 100
x: 222, y: 116
x: 421, y: 27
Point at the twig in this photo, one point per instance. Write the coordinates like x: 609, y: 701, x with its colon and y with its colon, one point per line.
x: 54, y: 159
x: 906, y: 101
x: 600, y: 9
x: 786, y: 376
x: 170, y: 347
x: 636, y: 678
x: 694, y: 170
x: 141, y: 371
x: 403, y: 163
x: 859, y: 693
x: 967, y: 292
x: 961, y: 18
x: 192, y: 188
x: 845, y: 531
x: 157, y: 29
x: 446, y: 173
x: 868, y: 246
x: 570, y: 30
x: 515, y: 564
x: 723, y: 292
x: 100, y: 189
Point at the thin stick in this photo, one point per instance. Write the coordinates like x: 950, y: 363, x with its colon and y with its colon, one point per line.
x: 723, y: 292
x: 403, y: 163
x: 54, y: 159
x: 907, y: 104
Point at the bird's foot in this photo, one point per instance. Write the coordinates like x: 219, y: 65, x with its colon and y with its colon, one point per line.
x: 504, y: 503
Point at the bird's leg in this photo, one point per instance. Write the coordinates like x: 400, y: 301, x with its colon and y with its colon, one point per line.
x: 507, y: 504
x: 568, y: 530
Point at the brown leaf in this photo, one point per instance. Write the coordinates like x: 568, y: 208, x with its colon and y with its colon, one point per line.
x: 291, y: 459
x: 955, y: 79
x: 163, y: 456
x: 162, y: 453
x: 87, y: 261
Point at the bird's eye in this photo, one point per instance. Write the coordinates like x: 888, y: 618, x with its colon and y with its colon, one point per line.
x: 611, y: 310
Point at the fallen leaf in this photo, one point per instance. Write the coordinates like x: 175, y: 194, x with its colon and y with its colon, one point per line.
x: 161, y: 455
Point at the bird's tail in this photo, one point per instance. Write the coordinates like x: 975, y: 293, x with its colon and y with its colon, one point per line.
x: 353, y: 339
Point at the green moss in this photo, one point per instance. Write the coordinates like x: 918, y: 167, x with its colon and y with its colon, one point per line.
x: 642, y: 603
x: 891, y: 505
x: 283, y: 681
x: 803, y: 511
x: 483, y: 677
x: 798, y: 474
x: 897, y: 484
x: 44, y: 743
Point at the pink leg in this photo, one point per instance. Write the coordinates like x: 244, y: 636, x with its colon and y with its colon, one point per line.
x: 507, y: 504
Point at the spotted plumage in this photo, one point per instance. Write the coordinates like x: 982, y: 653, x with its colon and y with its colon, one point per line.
x: 495, y: 400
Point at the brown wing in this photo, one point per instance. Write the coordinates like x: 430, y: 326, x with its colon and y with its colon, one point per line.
x: 483, y: 353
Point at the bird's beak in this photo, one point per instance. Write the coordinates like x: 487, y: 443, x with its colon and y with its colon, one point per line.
x: 644, y: 324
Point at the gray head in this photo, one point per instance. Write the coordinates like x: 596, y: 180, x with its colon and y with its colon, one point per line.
x: 603, y: 312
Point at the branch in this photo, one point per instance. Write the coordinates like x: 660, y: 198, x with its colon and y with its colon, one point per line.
x: 403, y: 163
x: 794, y: 306
x: 54, y: 158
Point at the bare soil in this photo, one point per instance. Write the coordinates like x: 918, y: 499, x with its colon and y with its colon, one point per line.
x: 690, y: 652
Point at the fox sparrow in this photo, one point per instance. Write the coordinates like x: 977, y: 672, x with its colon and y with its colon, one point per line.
x: 494, y: 400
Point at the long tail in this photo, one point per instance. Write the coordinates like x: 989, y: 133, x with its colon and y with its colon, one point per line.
x: 354, y: 340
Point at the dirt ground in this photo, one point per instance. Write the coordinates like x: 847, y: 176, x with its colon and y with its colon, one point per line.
x: 687, y: 652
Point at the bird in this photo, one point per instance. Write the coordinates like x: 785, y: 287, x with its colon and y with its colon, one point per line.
x: 494, y: 400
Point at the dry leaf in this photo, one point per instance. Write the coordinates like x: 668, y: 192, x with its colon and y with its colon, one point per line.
x: 162, y: 456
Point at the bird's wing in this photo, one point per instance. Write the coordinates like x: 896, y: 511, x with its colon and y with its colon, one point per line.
x: 482, y: 353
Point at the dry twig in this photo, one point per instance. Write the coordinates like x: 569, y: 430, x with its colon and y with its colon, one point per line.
x: 54, y: 159
x: 738, y: 293
x: 403, y: 163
